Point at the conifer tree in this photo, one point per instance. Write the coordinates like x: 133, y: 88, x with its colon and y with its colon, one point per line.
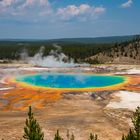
x: 68, y: 135
x: 72, y: 137
x: 32, y: 130
x: 93, y: 137
x: 57, y: 136
x: 136, y: 123
x: 134, y: 133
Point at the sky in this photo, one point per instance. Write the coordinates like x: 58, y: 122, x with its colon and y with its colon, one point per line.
x: 49, y: 19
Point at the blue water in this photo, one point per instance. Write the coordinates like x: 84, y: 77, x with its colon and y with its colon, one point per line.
x: 61, y: 80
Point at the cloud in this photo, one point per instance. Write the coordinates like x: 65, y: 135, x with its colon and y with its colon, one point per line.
x: 73, y: 11
x: 44, y: 2
x: 23, y: 3
x: 99, y: 10
x: 127, y: 4
x: 35, y: 2
x: 5, y: 6
x: 22, y: 7
x: 42, y: 10
x: 7, y: 2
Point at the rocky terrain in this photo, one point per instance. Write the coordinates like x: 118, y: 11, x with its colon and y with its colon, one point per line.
x: 123, y: 53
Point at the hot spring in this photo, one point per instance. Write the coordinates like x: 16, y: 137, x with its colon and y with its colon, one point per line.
x: 71, y: 80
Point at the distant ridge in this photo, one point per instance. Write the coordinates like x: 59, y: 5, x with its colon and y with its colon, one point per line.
x: 111, y: 39
x: 96, y: 40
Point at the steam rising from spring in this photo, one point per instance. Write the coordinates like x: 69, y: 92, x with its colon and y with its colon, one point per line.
x: 56, y: 58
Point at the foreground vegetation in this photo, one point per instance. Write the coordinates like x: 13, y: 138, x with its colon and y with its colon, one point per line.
x: 33, y: 131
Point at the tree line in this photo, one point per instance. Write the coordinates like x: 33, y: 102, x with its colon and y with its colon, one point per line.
x: 11, y: 50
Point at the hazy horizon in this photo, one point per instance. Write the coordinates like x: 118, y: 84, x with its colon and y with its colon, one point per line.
x: 96, y: 37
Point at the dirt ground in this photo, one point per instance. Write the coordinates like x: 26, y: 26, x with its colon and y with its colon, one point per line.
x: 81, y: 113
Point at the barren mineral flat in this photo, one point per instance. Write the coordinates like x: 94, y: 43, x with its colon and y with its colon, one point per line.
x: 104, y: 112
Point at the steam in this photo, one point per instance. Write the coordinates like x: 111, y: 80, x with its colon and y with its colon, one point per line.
x: 24, y: 54
x: 80, y: 78
x: 56, y: 58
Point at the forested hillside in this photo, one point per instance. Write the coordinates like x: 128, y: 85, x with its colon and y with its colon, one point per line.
x: 11, y: 50
x: 125, y: 53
